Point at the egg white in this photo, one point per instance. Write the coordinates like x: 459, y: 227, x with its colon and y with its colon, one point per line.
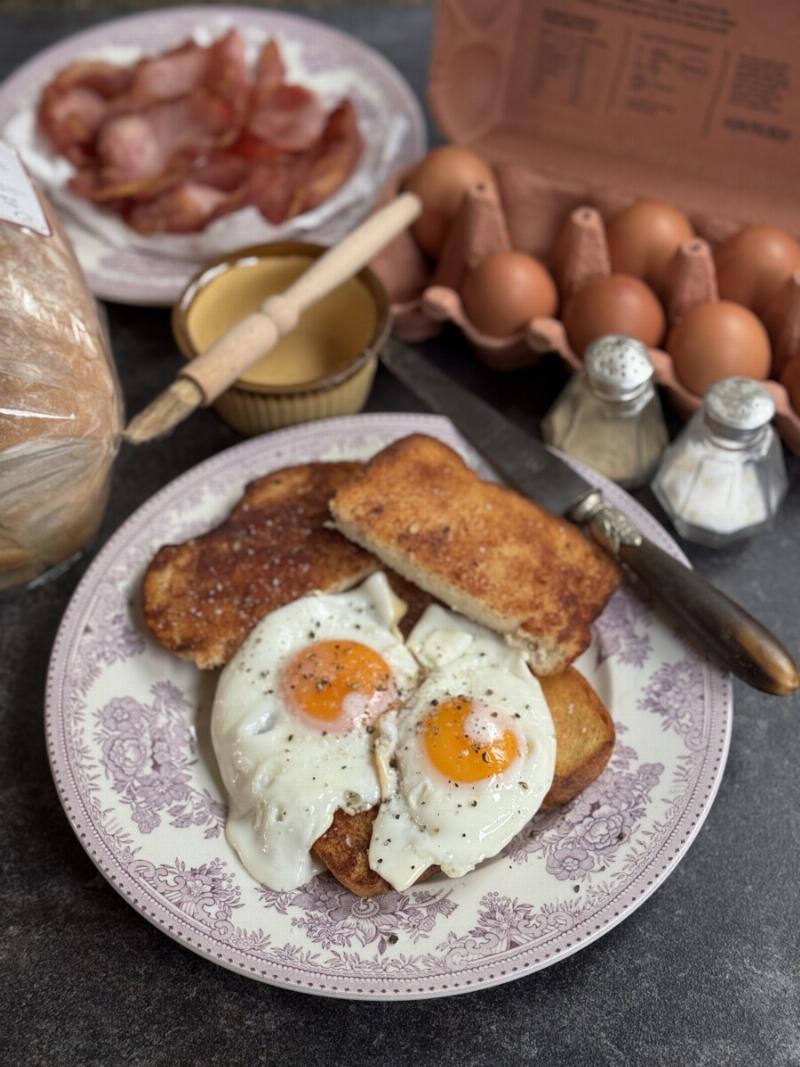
x: 425, y: 819
x: 284, y: 778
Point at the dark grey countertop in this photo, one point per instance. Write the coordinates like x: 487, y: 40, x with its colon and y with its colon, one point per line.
x: 704, y: 973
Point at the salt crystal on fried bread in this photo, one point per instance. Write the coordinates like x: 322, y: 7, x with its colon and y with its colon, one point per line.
x: 484, y: 550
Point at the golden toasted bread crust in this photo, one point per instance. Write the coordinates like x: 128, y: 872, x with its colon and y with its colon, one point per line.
x: 584, y: 735
x: 483, y: 549
x: 202, y: 597
x: 344, y: 849
x: 584, y: 741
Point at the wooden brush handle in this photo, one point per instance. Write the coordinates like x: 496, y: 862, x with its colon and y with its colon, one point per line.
x: 220, y: 365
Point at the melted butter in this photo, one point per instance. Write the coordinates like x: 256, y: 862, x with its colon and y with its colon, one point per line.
x: 329, y: 335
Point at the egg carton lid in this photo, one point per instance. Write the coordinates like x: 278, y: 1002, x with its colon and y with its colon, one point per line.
x: 692, y: 103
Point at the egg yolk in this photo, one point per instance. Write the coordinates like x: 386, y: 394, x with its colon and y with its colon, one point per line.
x: 336, y: 685
x: 456, y: 750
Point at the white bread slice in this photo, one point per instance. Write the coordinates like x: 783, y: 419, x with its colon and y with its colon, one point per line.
x: 480, y: 548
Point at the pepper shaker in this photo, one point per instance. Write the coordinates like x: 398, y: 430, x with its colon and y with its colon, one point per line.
x: 724, y: 477
x: 609, y: 415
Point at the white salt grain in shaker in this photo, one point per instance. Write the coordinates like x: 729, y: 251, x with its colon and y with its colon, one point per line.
x: 724, y: 477
x: 609, y: 415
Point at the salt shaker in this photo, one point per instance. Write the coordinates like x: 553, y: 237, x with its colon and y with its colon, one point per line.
x: 724, y: 477
x: 609, y: 415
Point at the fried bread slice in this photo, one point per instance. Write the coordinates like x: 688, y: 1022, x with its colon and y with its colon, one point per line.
x: 584, y: 735
x: 584, y: 741
x: 344, y: 849
x: 480, y: 548
x: 202, y: 597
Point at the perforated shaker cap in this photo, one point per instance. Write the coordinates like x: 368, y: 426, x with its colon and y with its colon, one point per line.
x: 617, y: 367
x: 738, y: 406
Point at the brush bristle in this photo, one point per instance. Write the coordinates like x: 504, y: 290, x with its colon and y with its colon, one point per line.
x: 165, y: 412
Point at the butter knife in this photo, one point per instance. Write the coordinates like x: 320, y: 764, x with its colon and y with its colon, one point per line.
x: 717, y: 624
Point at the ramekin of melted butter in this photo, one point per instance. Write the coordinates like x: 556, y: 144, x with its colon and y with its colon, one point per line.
x: 324, y: 367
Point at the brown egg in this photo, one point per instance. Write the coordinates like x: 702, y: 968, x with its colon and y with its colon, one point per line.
x: 644, y: 237
x: 440, y: 181
x: 506, y: 290
x: 790, y: 379
x: 753, y: 265
x: 617, y: 303
x: 782, y: 313
x: 718, y: 340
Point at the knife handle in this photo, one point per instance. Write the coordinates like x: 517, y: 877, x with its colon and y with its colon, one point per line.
x: 718, y: 625
x: 716, y: 622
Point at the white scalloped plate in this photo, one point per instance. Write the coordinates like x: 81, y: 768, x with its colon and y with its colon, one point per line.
x: 127, y: 729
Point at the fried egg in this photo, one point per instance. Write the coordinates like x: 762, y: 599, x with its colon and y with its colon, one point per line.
x: 293, y: 720
x: 467, y: 761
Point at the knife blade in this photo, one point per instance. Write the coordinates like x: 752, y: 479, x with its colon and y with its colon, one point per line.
x: 717, y: 624
x: 521, y: 459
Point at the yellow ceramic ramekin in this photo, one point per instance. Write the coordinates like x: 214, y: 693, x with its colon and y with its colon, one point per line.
x: 333, y: 350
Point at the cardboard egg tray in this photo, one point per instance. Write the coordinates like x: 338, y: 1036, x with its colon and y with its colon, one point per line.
x: 583, y: 109
x: 481, y: 228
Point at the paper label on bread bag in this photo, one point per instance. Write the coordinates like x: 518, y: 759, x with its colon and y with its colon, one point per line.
x: 18, y: 200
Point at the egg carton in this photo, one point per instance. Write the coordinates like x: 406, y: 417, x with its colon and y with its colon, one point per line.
x: 526, y: 212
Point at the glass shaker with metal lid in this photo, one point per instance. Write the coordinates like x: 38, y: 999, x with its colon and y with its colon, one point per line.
x: 609, y: 415
x: 724, y: 477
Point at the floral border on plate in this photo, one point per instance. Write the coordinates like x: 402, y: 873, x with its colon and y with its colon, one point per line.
x: 140, y: 794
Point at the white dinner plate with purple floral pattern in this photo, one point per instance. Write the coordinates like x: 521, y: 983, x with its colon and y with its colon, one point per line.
x: 128, y: 739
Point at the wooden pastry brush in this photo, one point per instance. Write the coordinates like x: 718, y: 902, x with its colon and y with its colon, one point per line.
x: 204, y: 378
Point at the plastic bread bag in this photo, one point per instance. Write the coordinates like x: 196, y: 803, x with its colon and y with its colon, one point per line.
x: 60, y: 408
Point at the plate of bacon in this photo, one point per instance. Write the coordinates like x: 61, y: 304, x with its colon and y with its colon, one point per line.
x: 241, y: 125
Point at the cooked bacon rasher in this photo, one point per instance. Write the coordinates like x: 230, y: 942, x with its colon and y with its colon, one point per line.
x: 179, y: 139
